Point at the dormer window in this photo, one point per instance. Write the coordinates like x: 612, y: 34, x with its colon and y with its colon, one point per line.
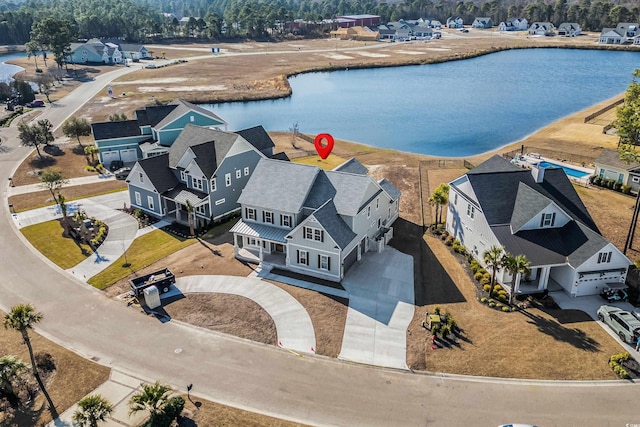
x: 197, y: 183
x: 548, y: 219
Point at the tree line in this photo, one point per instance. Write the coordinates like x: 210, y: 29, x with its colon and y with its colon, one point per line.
x: 137, y: 20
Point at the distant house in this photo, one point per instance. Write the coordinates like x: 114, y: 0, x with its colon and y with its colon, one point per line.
x: 542, y: 29
x: 609, y: 166
x: 134, y: 51
x: 363, y: 20
x: 94, y: 51
x: 422, y: 31
x: 435, y: 24
x: 206, y: 168
x: 318, y: 223
x: 519, y: 24
x: 569, y: 29
x: 355, y: 33
x: 538, y: 214
x: 151, y: 132
x: 482, y: 23
x: 455, y: 22
x: 636, y: 40
x: 386, y: 32
x: 625, y: 32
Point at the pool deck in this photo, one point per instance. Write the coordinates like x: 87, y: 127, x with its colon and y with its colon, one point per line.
x: 533, y: 159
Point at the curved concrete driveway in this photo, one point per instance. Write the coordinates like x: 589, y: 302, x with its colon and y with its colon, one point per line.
x: 293, y: 323
x: 311, y: 390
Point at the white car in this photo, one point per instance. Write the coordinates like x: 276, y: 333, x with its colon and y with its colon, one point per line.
x: 621, y: 322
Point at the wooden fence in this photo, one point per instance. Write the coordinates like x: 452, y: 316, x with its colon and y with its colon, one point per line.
x: 603, y: 110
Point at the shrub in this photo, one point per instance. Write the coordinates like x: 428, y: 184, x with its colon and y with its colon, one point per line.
x: 610, y: 183
x: 437, y: 310
x: 502, y: 292
x: 497, y: 288
x: 502, y: 297
x: 492, y: 304
x: 449, y: 240
x: 174, y: 407
x: 506, y: 309
x: 626, y: 189
x: 474, y: 265
x: 499, y: 305
x: 45, y: 362
x: 486, y: 274
x: 89, y: 168
x: 483, y: 299
x: 486, y: 288
x: 617, y: 186
x: 597, y: 180
x: 478, y: 276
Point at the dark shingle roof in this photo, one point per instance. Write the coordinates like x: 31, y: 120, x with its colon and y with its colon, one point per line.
x: 493, y: 165
x: 158, y: 172
x: 258, y: 137
x: 153, y: 114
x: 206, y: 158
x: 335, y: 226
x: 110, y: 130
x: 280, y: 156
x: 351, y: 190
x: 528, y: 203
x: 352, y: 166
x: 193, y: 135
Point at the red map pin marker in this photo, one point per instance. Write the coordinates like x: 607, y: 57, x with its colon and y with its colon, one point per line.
x: 323, y: 150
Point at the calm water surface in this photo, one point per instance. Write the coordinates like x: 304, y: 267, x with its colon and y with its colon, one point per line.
x: 458, y: 108
x: 7, y: 70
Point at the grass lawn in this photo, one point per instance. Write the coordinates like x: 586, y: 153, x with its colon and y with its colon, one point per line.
x: 139, y: 255
x: 329, y: 163
x: 47, y: 238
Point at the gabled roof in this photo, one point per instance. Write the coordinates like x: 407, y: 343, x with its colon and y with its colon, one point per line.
x: 335, y: 226
x: 280, y: 156
x: 350, y: 190
x: 182, y: 107
x: 528, y: 203
x: 192, y: 136
x: 153, y: 114
x: 505, y: 181
x: 258, y: 137
x: 157, y: 170
x: 390, y: 189
x: 352, y: 166
x: 111, y: 130
x: 612, y: 158
x: 279, y: 185
x: 206, y: 157
x: 181, y: 194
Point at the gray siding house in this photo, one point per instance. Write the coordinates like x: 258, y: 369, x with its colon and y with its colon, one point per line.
x: 609, y: 166
x: 319, y: 223
x: 206, y: 168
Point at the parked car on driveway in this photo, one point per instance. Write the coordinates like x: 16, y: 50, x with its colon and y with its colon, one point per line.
x: 620, y: 321
x: 35, y: 103
x: 122, y: 173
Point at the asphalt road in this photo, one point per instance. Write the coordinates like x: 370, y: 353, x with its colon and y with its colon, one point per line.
x: 311, y: 389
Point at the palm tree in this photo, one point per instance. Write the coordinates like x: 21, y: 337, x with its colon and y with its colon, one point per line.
x: 91, y: 150
x: 493, y: 260
x: 21, y: 318
x: 62, y: 202
x: 516, y: 266
x: 439, y: 198
x: 91, y: 410
x: 152, y: 398
x: 189, y: 207
x: 10, y: 368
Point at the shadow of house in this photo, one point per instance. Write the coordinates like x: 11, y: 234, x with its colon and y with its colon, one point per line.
x: 573, y: 336
x: 432, y: 283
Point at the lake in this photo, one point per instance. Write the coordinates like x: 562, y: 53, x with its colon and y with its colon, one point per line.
x: 7, y: 70
x: 458, y: 108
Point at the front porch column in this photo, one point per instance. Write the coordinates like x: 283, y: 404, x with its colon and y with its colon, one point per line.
x: 543, y: 281
x: 261, y: 254
x: 235, y: 244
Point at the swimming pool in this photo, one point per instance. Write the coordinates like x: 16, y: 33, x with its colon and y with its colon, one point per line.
x: 568, y: 170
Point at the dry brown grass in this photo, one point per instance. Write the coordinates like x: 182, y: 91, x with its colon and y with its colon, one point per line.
x: 22, y: 202
x: 74, y: 376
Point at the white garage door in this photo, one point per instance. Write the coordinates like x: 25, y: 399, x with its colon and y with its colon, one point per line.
x: 109, y: 156
x: 129, y: 156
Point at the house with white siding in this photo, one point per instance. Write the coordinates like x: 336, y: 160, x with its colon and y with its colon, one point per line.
x: 625, y: 32
x: 482, y: 23
x: 307, y: 220
x: 569, y: 29
x: 455, y: 22
x: 206, y: 168
x: 541, y: 29
x: 538, y: 214
x: 519, y: 24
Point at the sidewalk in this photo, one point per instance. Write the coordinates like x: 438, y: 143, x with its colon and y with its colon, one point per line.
x: 118, y: 389
x: 83, y: 180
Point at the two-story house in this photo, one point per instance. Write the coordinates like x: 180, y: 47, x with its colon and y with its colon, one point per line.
x: 151, y: 131
x: 208, y: 168
x: 482, y: 23
x: 519, y: 24
x: 538, y: 214
x: 319, y: 223
x: 455, y: 22
x: 569, y: 29
x: 542, y: 29
x: 625, y: 32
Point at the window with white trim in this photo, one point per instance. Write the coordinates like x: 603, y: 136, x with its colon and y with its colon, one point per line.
x: 324, y: 262
x: 238, y: 174
x: 138, y: 198
x: 141, y: 177
x: 150, y: 202
x: 635, y: 179
x: 471, y: 211
x: 455, y: 199
x: 377, y: 202
x: 548, y: 219
x: 192, y: 119
x: 310, y: 233
x: 201, y: 209
x: 213, y: 185
x: 285, y: 220
x: 368, y: 211
x: 183, y: 176
x: 250, y: 213
x: 604, y: 257
x: 267, y: 217
x: 197, y: 183
x: 246, y: 171
x: 303, y: 257
x: 227, y: 179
